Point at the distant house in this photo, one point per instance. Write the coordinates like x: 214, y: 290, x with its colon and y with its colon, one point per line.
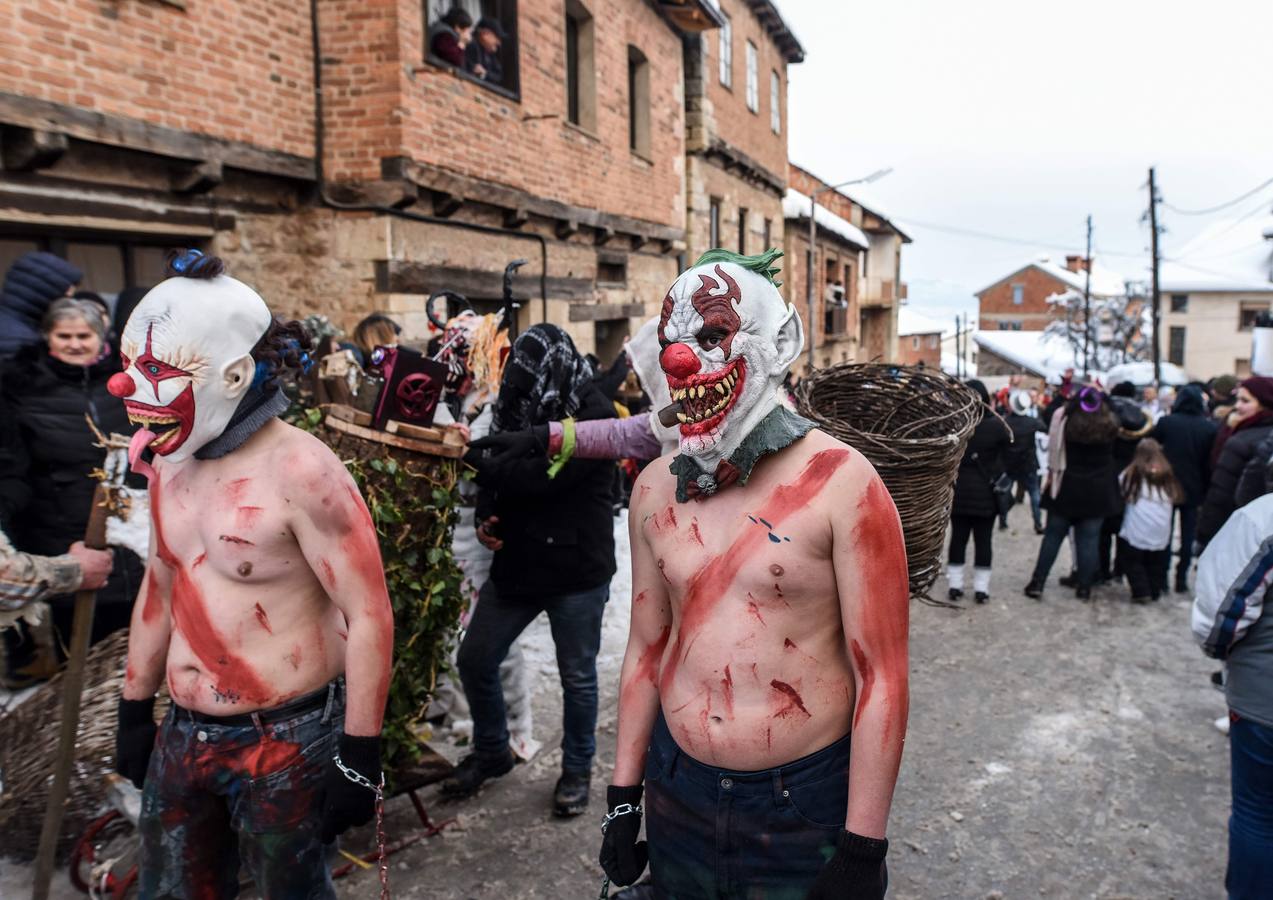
x: 1019, y: 300
x: 1211, y: 291
x: 918, y: 339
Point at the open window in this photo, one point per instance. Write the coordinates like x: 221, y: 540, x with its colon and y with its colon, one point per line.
x: 581, y: 67
x: 477, y: 39
x: 638, y: 103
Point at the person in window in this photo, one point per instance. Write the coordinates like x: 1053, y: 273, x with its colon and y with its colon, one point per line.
x: 481, y: 56
x: 449, y: 37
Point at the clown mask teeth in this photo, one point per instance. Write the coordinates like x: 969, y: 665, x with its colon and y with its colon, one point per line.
x: 706, y: 398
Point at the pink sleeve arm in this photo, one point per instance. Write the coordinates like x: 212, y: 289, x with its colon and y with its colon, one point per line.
x: 610, y: 438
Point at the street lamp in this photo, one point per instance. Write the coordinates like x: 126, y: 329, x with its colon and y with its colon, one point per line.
x: 813, y: 236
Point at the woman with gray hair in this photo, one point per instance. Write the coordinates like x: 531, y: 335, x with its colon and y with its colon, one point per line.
x: 49, y: 392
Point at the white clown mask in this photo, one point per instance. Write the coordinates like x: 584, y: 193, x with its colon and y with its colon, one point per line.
x: 728, y: 339
x: 186, y: 352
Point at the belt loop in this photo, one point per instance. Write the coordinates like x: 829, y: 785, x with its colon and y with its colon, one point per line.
x: 260, y: 726
x: 331, y: 701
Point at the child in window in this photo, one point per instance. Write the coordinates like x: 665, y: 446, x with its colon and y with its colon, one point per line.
x: 1150, y: 490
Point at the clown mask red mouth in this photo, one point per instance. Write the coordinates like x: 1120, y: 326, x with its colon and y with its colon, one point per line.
x: 705, y: 399
x: 169, y: 425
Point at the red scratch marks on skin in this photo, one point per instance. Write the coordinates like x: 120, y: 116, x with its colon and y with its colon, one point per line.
x: 199, y: 560
x: 663, y: 573
x: 695, y: 534
x: 769, y: 738
x: 129, y: 674
x: 754, y: 673
x: 788, y: 644
x: 711, y: 584
x: 235, y: 539
x: 234, y: 490
x: 263, y: 618
x: 754, y: 610
x: 778, y: 591
x: 727, y: 692
x: 154, y: 605
x: 329, y: 576
x: 639, y: 598
x: 246, y: 517
x: 647, y: 668
x: 789, y: 699
x: 344, y: 635
x: 233, y: 677
x: 294, y: 658
x: 645, y: 489
x: 669, y: 516
x: 867, y: 675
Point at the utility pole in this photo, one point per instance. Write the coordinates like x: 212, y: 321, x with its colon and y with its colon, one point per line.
x: 1154, y: 298
x: 1087, y: 302
x: 958, y: 361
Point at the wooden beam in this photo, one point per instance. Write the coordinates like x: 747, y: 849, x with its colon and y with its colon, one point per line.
x: 445, y: 204
x: 136, y: 134
x: 393, y: 192
x: 516, y: 218
x: 566, y: 228
x: 593, y: 312
x: 604, y: 235
x: 48, y: 201
x: 29, y: 149
x: 401, y: 276
x: 199, y: 179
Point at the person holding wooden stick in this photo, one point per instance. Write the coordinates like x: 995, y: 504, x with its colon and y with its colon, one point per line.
x: 264, y: 605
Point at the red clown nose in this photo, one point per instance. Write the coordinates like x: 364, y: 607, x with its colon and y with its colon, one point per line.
x: 679, y: 361
x: 121, y: 385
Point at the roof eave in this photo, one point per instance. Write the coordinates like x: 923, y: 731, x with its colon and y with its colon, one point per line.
x: 778, y: 30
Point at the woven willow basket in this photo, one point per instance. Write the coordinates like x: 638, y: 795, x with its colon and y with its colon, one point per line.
x: 912, y: 423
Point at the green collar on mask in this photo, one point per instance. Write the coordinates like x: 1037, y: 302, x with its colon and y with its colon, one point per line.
x: 779, y: 429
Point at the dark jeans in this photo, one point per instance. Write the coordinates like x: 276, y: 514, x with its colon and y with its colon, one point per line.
x: 1029, y: 484
x: 1188, y: 532
x: 1146, y: 570
x: 1250, y: 872
x: 216, y: 795
x: 717, y: 834
x: 982, y: 529
x: 576, y: 628
x: 1087, y: 533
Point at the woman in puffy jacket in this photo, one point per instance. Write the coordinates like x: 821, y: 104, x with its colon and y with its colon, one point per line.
x: 1236, y: 445
x: 51, y: 389
x: 974, y: 510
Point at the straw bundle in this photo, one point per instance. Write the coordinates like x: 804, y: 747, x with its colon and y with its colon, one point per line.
x: 912, y: 423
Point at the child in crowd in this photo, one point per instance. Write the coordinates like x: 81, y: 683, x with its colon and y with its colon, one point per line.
x: 1150, y: 490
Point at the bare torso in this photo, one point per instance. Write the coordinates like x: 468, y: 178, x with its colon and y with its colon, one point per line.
x: 754, y: 671
x: 252, y: 624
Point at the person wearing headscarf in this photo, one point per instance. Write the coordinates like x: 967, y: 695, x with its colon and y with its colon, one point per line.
x: 974, y: 508
x: 1249, y: 424
x: 1187, y: 434
x: 33, y: 282
x: 552, y: 532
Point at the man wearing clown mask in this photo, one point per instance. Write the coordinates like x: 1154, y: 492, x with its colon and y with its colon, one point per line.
x: 769, y: 624
x: 264, y: 605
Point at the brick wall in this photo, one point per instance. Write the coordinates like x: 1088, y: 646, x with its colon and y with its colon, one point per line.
x: 806, y: 183
x: 708, y: 182
x: 928, y: 352
x: 1037, y: 286
x: 733, y: 121
x: 834, y: 347
x: 238, y: 71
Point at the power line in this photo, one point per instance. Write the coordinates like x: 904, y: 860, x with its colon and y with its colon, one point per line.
x: 1004, y: 239
x: 1215, y: 209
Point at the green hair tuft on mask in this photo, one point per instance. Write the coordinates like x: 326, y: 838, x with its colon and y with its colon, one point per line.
x: 762, y: 264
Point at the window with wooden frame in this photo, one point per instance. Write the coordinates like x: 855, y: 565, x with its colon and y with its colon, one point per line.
x: 437, y: 43
x: 726, y: 55
x: 581, y: 67
x: 753, y: 78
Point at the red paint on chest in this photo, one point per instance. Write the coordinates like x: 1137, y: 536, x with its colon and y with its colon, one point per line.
x: 234, y: 490
x: 235, y: 539
x: 790, y: 702
x: 263, y: 618
x: 669, y: 517
x: 246, y: 517
x: 232, y: 676
x: 711, y: 584
x: 867, y: 676
x: 695, y: 534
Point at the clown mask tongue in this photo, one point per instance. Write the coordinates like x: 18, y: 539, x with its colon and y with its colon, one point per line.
x: 141, y: 440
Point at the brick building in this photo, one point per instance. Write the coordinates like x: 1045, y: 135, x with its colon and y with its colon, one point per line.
x: 1019, y: 301
x: 919, y: 339
x: 382, y: 174
x: 857, y: 273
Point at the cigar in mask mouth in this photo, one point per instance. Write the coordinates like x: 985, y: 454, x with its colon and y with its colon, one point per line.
x: 668, y: 414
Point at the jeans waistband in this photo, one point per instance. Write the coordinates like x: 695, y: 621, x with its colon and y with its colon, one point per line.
x: 831, y: 760
x: 323, y: 698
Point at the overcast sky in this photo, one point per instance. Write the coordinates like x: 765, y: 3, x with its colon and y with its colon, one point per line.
x: 1021, y: 118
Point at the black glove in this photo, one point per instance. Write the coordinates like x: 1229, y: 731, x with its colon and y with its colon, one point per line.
x: 491, y: 454
x: 857, y: 871
x: 135, y: 739
x: 346, y: 804
x: 621, y: 856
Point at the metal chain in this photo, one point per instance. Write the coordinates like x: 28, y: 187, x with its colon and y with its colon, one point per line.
x: 623, y: 809
x: 379, y: 790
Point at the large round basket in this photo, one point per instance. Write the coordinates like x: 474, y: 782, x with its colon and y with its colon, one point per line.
x: 912, y: 423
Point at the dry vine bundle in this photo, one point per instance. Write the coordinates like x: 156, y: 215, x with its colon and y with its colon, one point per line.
x: 912, y: 423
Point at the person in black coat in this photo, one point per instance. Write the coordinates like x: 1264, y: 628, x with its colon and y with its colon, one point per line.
x: 1187, y: 434
x: 1235, y: 446
x: 553, y: 539
x: 1257, y: 477
x: 1020, y: 460
x: 33, y: 282
x: 1081, y: 488
x: 46, y: 490
x: 974, y: 509
x: 1133, y: 424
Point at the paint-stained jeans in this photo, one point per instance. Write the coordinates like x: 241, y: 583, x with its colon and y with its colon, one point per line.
x: 218, y: 794
x: 715, y: 834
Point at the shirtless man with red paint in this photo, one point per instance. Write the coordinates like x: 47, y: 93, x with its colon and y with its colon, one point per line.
x: 264, y: 606
x: 769, y: 625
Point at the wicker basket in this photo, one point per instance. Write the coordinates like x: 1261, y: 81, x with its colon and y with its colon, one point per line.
x: 912, y: 423
x: 28, y: 748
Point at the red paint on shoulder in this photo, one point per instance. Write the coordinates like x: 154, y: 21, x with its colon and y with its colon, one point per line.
x: 790, y: 701
x: 695, y: 534
x: 727, y: 692
x: 711, y: 584
x: 867, y: 674
x: 246, y: 517
x: 263, y: 618
x: 755, y: 611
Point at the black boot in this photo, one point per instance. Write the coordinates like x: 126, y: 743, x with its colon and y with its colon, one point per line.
x: 1182, y: 583
x: 474, y: 771
x: 1083, y: 592
x: 955, y: 595
x: 1034, y: 589
x: 981, y: 596
x: 1069, y: 581
x: 571, y: 795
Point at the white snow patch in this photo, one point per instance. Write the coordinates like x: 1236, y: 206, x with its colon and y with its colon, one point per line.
x: 796, y: 206
x: 995, y: 769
